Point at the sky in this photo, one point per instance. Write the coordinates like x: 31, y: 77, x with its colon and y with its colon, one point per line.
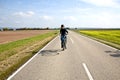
x: 53, y: 13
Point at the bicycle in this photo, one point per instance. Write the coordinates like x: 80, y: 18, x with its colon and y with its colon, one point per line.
x: 63, y: 42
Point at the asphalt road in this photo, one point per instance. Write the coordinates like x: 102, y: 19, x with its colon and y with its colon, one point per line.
x: 84, y: 59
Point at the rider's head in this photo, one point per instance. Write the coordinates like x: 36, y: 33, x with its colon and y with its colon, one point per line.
x: 62, y: 26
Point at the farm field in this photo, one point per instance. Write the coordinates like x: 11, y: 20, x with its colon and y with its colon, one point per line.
x: 8, y: 36
x: 110, y: 37
x: 20, y: 48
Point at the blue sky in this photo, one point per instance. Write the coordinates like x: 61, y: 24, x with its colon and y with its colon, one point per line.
x: 53, y: 13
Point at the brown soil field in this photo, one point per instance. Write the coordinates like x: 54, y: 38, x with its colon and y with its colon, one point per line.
x: 9, y: 36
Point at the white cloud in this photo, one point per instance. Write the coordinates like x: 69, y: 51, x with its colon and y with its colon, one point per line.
x: 46, y: 17
x: 17, y: 22
x: 70, y: 18
x: 103, y: 3
x: 30, y: 13
x: 103, y: 19
x: 25, y: 14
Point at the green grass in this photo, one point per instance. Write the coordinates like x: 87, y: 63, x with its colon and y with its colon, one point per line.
x: 9, y: 49
x: 8, y: 52
x: 11, y: 45
x: 19, y: 63
x: 112, y: 37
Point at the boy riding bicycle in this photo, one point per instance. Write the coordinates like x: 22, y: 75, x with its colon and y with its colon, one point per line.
x: 63, y: 33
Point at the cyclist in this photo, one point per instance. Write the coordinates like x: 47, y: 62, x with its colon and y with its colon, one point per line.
x: 63, y: 33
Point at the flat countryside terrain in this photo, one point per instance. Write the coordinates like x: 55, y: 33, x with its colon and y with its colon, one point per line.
x: 9, y: 36
x: 20, y: 46
x: 84, y: 59
x: 53, y: 64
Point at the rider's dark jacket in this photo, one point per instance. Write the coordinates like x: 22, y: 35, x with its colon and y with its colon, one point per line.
x: 63, y: 32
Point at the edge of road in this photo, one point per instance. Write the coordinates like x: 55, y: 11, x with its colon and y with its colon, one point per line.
x: 20, y: 68
x: 109, y: 44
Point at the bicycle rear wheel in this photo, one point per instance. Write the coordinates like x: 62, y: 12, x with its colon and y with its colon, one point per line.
x: 64, y: 45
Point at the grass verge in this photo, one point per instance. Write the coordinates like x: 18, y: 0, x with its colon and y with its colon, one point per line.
x: 23, y: 50
x: 109, y: 37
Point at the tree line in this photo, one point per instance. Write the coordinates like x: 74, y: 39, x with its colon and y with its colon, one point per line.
x: 14, y: 29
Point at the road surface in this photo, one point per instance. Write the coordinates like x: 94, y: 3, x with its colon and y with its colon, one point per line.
x: 84, y: 59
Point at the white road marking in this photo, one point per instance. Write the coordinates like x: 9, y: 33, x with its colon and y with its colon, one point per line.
x: 88, y: 72
x: 71, y: 40
x: 10, y: 77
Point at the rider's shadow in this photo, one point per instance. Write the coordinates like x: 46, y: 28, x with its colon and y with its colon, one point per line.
x: 50, y: 52
x: 114, y: 53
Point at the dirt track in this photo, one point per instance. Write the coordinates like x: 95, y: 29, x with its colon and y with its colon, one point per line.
x: 8, y: 36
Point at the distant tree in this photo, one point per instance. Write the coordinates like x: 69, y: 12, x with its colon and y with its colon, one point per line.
x: 75, y: 28
x: 5, y: 29
x: 47, y: 28
x: 67, y: 28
